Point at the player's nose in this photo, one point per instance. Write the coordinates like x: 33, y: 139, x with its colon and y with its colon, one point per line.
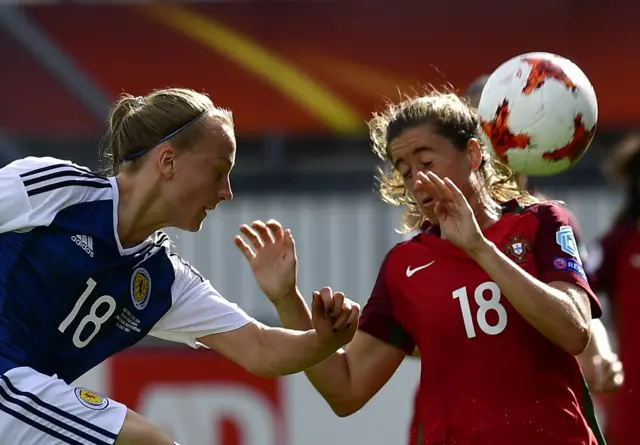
x: 225, y: 193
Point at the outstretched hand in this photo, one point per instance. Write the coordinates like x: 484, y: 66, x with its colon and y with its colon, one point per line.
x: 271, y: 252
x: 457, y: 222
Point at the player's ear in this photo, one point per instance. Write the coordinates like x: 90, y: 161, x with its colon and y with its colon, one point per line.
x: 166, y: 160
x: 474, y: 151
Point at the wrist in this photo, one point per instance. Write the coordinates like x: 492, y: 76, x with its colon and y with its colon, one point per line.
x: 286, y: 299
x: 325, y: 345
x: 481, y: 250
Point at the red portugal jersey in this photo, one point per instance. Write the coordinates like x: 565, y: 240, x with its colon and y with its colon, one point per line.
x: 616, y: 271
x: 488, y: 377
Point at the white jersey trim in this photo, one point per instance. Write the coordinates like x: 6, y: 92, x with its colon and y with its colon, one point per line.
x: 56, y: 176
x: 197, y: 309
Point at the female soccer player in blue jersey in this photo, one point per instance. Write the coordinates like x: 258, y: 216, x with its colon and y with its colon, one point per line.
x: 86, y: 272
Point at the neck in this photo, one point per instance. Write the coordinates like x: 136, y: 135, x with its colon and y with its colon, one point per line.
x: 140, y: 212
x: 486, y: 211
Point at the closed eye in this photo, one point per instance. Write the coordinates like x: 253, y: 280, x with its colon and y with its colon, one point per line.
x: 427, y: 164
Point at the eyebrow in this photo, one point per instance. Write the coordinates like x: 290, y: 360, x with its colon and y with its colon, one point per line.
x: 417, y: 150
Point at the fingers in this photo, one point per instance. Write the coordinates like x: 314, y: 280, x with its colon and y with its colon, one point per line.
x: 276, y: 229
x: 288, y: 238
x: 354, y: 317
x: 343, y: 312
x: 326, y: 296
x: 436, y: 187
x: 609, y: 375
x: 317, y: 306
x: 246, y: 250
x: 263, y: 231
x: 456, y: 193
x: 253, y: 237
x: 349, y: 315
x: 261, y: 234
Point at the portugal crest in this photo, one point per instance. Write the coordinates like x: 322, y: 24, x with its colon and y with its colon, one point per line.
x: 517, y: 249
x: 140, y: 288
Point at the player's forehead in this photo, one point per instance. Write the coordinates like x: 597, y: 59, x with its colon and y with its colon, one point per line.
x: 416, y: 140
x: 217, y: 142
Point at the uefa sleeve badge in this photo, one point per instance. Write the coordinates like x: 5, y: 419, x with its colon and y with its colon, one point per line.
x: 567, y: 242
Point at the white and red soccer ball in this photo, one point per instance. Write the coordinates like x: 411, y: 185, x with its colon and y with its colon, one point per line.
x: 538, y: 113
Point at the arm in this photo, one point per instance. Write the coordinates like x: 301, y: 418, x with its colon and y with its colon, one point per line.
x: 559, y: 302
x: 600, y: 365
x: 599, y: 344
x: 199, y: 315
x: 270, y: 352
x: 348, y: 379
x: 559, y: 310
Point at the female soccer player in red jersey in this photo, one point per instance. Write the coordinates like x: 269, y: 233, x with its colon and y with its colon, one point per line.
x: 492, y: 292
x: 614, y: 270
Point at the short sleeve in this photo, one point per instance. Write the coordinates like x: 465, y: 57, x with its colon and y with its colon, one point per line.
x: 198, y: 309
x: 557, y: 252
x: 33, y: 190
x: 378, y: 319
x: 14, y: 202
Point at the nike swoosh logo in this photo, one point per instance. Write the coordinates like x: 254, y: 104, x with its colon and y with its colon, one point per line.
x: 411, y: 271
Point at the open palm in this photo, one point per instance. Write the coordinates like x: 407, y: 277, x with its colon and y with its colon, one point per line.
x: 271, y: 252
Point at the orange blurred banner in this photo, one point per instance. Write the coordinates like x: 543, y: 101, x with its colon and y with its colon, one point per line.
x: 324, y: 67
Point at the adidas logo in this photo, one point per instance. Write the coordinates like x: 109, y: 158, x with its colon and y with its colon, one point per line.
x: 85, y: 242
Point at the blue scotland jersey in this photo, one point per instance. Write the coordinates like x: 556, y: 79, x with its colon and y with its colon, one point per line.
x: 70, y: 294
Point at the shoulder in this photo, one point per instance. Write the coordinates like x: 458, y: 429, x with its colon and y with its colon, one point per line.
x: 398, y: 251
x: 186, y: 276
x: 553, y: 217
x: 550, y: 211
x: 33, y: 191
x: 33, y: 167
x: 56, y: 180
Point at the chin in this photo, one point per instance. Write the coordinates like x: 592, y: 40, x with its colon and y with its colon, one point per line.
x: 194, y: 225
x: 193, y: 228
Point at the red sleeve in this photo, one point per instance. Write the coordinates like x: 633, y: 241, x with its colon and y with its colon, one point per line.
x: 556, y: 252
x: 378, y: 319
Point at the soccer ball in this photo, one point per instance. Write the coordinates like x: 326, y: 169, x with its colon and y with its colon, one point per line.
x: 538, y: 113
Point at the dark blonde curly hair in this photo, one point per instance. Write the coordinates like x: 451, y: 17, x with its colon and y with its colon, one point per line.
x: 453, y: 118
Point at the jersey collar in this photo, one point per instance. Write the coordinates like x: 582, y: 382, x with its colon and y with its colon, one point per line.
x: 131, y: 250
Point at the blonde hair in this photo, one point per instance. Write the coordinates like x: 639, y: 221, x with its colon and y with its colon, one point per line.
x: 453, y: 118
x: 138, y: 123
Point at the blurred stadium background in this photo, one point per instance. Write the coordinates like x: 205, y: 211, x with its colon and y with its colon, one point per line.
x: 302, y: 78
